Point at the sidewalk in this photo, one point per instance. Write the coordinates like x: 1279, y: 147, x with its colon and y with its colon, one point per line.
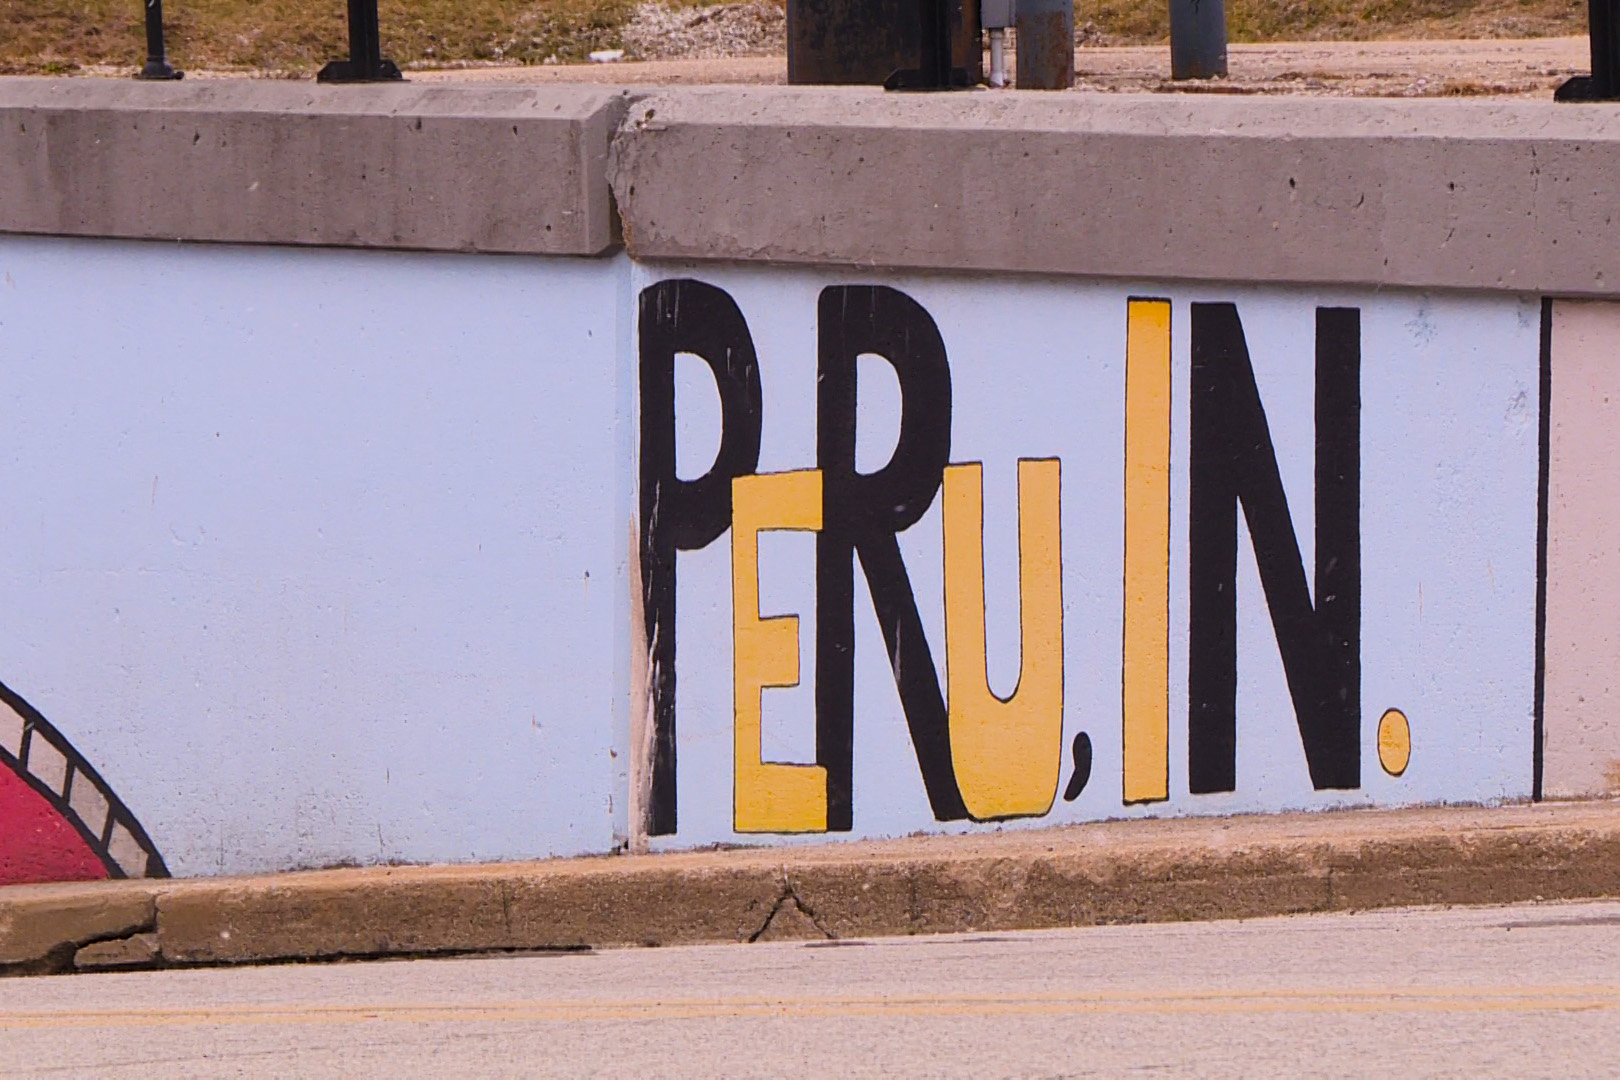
x: 1116, y: 872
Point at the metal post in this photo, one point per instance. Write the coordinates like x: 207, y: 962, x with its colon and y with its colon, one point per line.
x: 1045, y: 44
x: 934, y: 70
x: 863, y: 42
x: 1603, y: 27
x: 365, y: 62
x: 998, y: 56
x: 995, y: 16
x: 1197, y: 39
x: 157, y: 61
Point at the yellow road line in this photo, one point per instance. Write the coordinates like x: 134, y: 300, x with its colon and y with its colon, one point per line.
x: 1427, y: 1000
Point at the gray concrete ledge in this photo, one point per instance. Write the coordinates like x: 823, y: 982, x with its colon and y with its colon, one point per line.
x: 1519, y: 196
x: 508, y: 169
x: 1134, y: 871
x: 1495, y: 195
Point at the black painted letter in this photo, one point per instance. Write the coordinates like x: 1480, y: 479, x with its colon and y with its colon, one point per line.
x: 683, y: 316
x: 1233, y: 462
x: 863, y: 514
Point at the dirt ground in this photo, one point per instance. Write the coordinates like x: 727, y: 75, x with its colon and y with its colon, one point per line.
x: 1529, y: 67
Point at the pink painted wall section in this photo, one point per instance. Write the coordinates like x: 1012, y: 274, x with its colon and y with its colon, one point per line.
x: 1581, y: 745
x: 37, y: 843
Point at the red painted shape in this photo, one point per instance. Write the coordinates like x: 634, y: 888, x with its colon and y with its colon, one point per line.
x: 37, y: 843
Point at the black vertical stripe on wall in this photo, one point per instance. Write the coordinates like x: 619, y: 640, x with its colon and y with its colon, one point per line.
x: 1543, y: 482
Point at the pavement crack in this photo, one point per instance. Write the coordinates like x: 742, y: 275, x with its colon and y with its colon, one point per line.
x: 789, y: 903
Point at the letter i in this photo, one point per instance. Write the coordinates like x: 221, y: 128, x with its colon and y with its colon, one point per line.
x: 1146, y: 662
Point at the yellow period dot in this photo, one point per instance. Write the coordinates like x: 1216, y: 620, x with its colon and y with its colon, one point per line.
x: 1394, y: 742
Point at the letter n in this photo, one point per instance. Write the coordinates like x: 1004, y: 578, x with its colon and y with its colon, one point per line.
x: 1233, y: 463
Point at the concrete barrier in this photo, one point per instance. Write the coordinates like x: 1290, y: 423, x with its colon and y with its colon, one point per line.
x: 945, y: 464
x: 504, y: 169
x: 1490, y: 195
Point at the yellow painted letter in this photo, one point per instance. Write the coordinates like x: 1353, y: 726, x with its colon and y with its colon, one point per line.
x: 768, y: 797
x: 1147, y: 552
x: 1006, y: 753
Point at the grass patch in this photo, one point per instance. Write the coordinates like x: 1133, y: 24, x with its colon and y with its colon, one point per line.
x: 298, y: 36
x: 294, y: 37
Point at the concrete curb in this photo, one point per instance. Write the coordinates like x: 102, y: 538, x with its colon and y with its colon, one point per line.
x: 1137, y: 871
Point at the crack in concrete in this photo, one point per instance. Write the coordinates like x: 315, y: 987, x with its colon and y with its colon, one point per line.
x: 58, y: 960
x: 790, y: 896
x: 506, y: 908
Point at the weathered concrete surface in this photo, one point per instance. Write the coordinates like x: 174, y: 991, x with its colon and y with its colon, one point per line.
x: 1581, y: 740
x: 1140, y: 871
x: 119, y: 954
x: 562, y: 904
x: 510, y: 169
x: 41, y: 926
x: 1504, y: 195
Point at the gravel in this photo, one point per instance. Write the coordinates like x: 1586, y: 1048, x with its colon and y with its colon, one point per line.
x: 659, y: 31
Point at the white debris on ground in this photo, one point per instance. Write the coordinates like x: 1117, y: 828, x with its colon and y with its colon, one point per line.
x: 660, y: 31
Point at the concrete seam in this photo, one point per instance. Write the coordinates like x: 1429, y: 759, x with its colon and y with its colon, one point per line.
x: 617, y: 114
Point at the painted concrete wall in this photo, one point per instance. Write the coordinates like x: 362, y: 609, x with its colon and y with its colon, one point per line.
x: 325, y: 557
x: 1038, y: 376
x: 1582, y: 738
x: 318, y: 556
x: 413, y: 552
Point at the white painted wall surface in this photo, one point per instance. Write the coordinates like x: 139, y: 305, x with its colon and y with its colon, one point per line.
x: 320, y: 556
x: 323, y: 557
x: 1449, y: 489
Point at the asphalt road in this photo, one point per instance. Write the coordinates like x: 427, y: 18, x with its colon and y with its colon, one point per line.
x: 1506, y: 991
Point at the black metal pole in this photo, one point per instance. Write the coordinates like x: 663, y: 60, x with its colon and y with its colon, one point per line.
x: 939, y: 42
x: 1197, y: 39
x: 1604, y: 31
x: 157, y: 60
x: 1603, y: 28
x: 365, y: 62
x: 934, y: 70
